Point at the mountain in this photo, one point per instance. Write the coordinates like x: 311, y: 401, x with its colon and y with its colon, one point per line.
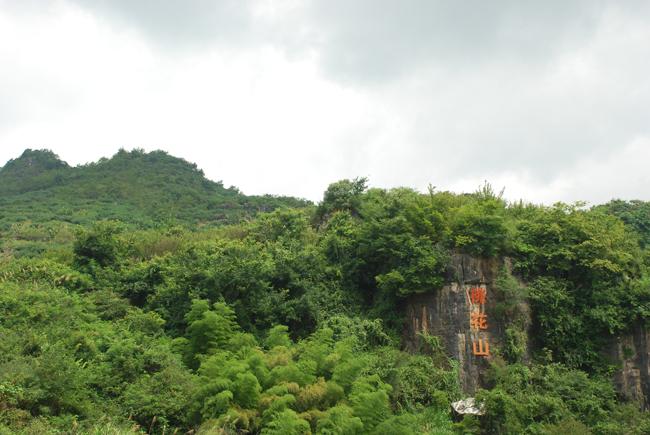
x: 136, y: 187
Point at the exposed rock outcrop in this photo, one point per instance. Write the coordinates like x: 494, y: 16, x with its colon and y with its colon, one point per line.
x: 631, y: 353
x: 446, y: 313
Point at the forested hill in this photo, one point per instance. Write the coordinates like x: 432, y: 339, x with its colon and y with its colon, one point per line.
x: 144, y: 189
x: 126, y: 308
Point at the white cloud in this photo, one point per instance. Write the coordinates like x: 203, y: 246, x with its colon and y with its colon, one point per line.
x: 300, y: 94
x: 254, y: 119
x: 620, y: 174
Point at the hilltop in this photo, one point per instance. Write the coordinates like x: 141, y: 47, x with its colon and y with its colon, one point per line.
x: 139, y: 188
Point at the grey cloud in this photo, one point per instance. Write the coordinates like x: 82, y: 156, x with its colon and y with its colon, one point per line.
x: 368, y: 41
x: 179, y: 24
x: 482, y: 93
x: 526, y: 130
x: 380, y: 39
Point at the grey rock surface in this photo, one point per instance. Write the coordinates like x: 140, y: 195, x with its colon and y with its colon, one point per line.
x: 446, y: 313
x: 631, y: 353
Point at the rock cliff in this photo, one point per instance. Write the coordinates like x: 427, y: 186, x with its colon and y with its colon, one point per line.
x: 631, y: 354
x: 447, y: 313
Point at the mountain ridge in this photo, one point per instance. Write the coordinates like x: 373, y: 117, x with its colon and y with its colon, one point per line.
x: 137, y: 187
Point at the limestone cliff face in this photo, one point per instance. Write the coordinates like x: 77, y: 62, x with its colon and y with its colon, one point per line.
x: 631, y: 353
x: 447, y: 312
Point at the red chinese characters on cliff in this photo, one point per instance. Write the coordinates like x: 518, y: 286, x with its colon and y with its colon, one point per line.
x: 478, y: 295
x: 478, y: 320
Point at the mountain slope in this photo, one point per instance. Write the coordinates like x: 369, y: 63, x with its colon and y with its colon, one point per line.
x: 140, y: 188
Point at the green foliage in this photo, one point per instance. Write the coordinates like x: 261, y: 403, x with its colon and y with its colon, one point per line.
x: 511, y: 310
x: 370, y: 401
x: 339, y: 419
x: 287, y: 422
x: 97, y: 247
x: 422, y: 383
x: 278, y: 336
x: 208, y: 329
x: 162, y: 321
x: 60, y: 362
x: 571, y: 243
x: 246, y: 390
x: 390, y: 248
x: 584, y: 271
x: 635, y: 214
x: 515, y: 345
x: 34, y: 169
x: 405, y: 424
x: 550, y: 398
x: 145, y: 189
x: 161, y: 398
x: 479, y: 226
x: 344, y: 195
x: 47, y: 272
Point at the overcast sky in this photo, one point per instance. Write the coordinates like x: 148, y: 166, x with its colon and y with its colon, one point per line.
x: 549, y: 99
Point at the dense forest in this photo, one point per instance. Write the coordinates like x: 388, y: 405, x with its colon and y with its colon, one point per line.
x: 136, y: 296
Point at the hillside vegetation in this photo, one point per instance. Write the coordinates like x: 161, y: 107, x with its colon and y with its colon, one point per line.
x: 138, y: 188
x: 166, y: 303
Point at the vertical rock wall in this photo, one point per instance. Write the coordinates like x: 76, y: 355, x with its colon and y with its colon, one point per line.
x: 446, y: 313
x: 631, y: 353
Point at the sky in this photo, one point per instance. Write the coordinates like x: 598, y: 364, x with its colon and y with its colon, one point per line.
x: 549, y: 100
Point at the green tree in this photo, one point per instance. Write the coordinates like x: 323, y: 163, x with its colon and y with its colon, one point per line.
x: 344, y: 195
x: 339, y: 419
x: 287, y: 422
x: 209, y: 330
x: 98, y: 246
